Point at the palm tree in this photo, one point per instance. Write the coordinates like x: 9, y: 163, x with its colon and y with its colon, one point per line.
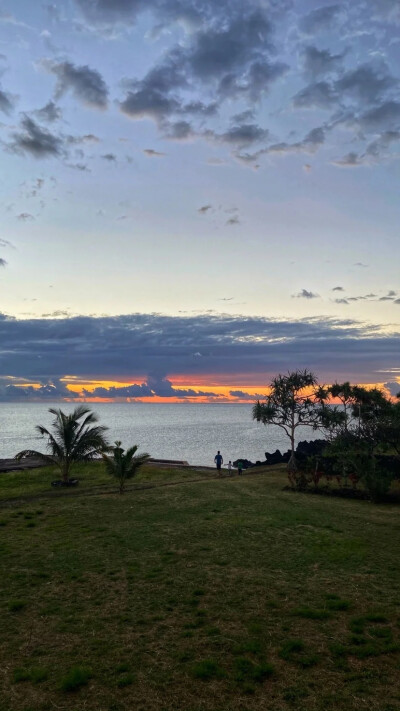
x: 124, y: 465
x: 72, y: 440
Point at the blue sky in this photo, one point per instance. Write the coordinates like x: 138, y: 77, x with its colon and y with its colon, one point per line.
x: 191, y: 158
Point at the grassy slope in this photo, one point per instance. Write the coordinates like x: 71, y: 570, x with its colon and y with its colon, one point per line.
x: 208, y: 596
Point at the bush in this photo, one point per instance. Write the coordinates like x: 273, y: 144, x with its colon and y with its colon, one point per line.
x: 207, y: 669
x: 76, y: 677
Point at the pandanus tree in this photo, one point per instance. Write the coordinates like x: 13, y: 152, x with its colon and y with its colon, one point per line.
x: 289, y: 405
x: 124, y: 465
x: 73, y: 438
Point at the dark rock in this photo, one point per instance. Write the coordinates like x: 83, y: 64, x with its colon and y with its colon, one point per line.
x: 274, y: 458
x: 303, y: 450
x: 246, y: 463
x: 311, y: 449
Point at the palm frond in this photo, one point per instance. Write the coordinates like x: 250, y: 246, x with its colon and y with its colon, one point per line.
x: 32, y: 453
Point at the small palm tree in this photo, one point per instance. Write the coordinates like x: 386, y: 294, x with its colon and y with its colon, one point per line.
x: 124, y: 465
x: 72, y: 440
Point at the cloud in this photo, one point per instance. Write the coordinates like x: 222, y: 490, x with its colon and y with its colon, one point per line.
x: 178, y: 130
x: 7, y: 18
x: 158, y: 345
x: 304, y: 294
x: 317, y: 95
x: 50, y: 113
x: 257, y: 81
x: 320, y: 62
x: 242, y: 395
x: 25, y: 217
x: 361, y: 264
x: 393, y: 387
x: 7, y: 102
x: 198, y: 108
x: 150, y: 103
x: 362, y: 297
x: 366, y: 83
x: 379, y: 147
x: 36, y: 140
x: 338, y: 288
x: 341, y: 301
x: 228, y: 59
x: 350, y: 160
x: 82, y: 167
x: 217, y: 53
x: 3, y: 262
x: 110, y: 157
x: 6, y: 243
x: 233, y: 221
x: 125, y: 391
x: 151, y: 153
x: 111, y: 10
x: 151, y: 96
x: 52, y: 390
x: 153, y: 387
x: 243, y: 135
x: 204, y: 209
x: 385, y: 117
x: 310, y: 143
x: 164, y: 388
x: 87, y: 84
x: 215, y: 161
x: 319, y: 20
x: 229, y: 55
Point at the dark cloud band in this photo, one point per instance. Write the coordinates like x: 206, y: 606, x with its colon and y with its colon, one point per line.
x: 156, y: 345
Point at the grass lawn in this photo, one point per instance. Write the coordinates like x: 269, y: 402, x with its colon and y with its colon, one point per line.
x: 214, y: 595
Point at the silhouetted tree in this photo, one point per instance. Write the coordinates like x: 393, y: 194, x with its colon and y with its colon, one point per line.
x: 72, y: 440
x: 289, y: 405
x: 124, y: 465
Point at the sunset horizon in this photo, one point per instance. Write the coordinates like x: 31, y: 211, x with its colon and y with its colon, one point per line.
x: 197, y: 199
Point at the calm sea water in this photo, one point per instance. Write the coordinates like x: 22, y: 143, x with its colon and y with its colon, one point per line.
x: 193, y: 432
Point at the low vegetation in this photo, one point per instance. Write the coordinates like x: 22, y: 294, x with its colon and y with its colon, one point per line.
x: 208, y: 595
x: 73, y: 438
x: 361, y: 427
x: 122, y: 465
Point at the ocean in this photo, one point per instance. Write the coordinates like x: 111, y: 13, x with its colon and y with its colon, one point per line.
x: 193, y: 432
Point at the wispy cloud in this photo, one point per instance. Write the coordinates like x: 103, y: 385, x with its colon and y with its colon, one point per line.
x: 305, y: 294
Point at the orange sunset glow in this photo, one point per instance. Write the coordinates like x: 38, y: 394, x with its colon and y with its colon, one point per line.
x: 222, y: 393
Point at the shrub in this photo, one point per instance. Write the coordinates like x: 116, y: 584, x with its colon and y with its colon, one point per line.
x: 246, y: 670
x: 76, y: 677
x: 207, y: 669
x: 16, y: 605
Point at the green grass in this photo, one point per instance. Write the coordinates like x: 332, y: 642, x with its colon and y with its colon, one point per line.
x: 226, y: 594
x: 75, y: 679
x: 35, y: 483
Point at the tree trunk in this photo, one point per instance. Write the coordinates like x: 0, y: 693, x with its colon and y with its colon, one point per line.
x: 292, y: 464
x: 65, y: 472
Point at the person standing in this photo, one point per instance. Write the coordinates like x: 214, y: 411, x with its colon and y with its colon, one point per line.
x: 230, y: 468
x: 218, y: 459
x: 240, y: 466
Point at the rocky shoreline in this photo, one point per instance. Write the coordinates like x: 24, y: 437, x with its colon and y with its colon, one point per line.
x: 303, y: 450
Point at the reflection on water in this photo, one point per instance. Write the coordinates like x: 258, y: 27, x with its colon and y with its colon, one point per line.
x: 171, y: 431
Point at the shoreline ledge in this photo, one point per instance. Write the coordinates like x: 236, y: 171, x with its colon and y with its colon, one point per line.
x: 12, y: 465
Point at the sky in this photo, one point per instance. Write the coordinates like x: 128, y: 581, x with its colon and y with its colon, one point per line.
x: 196, y: 196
